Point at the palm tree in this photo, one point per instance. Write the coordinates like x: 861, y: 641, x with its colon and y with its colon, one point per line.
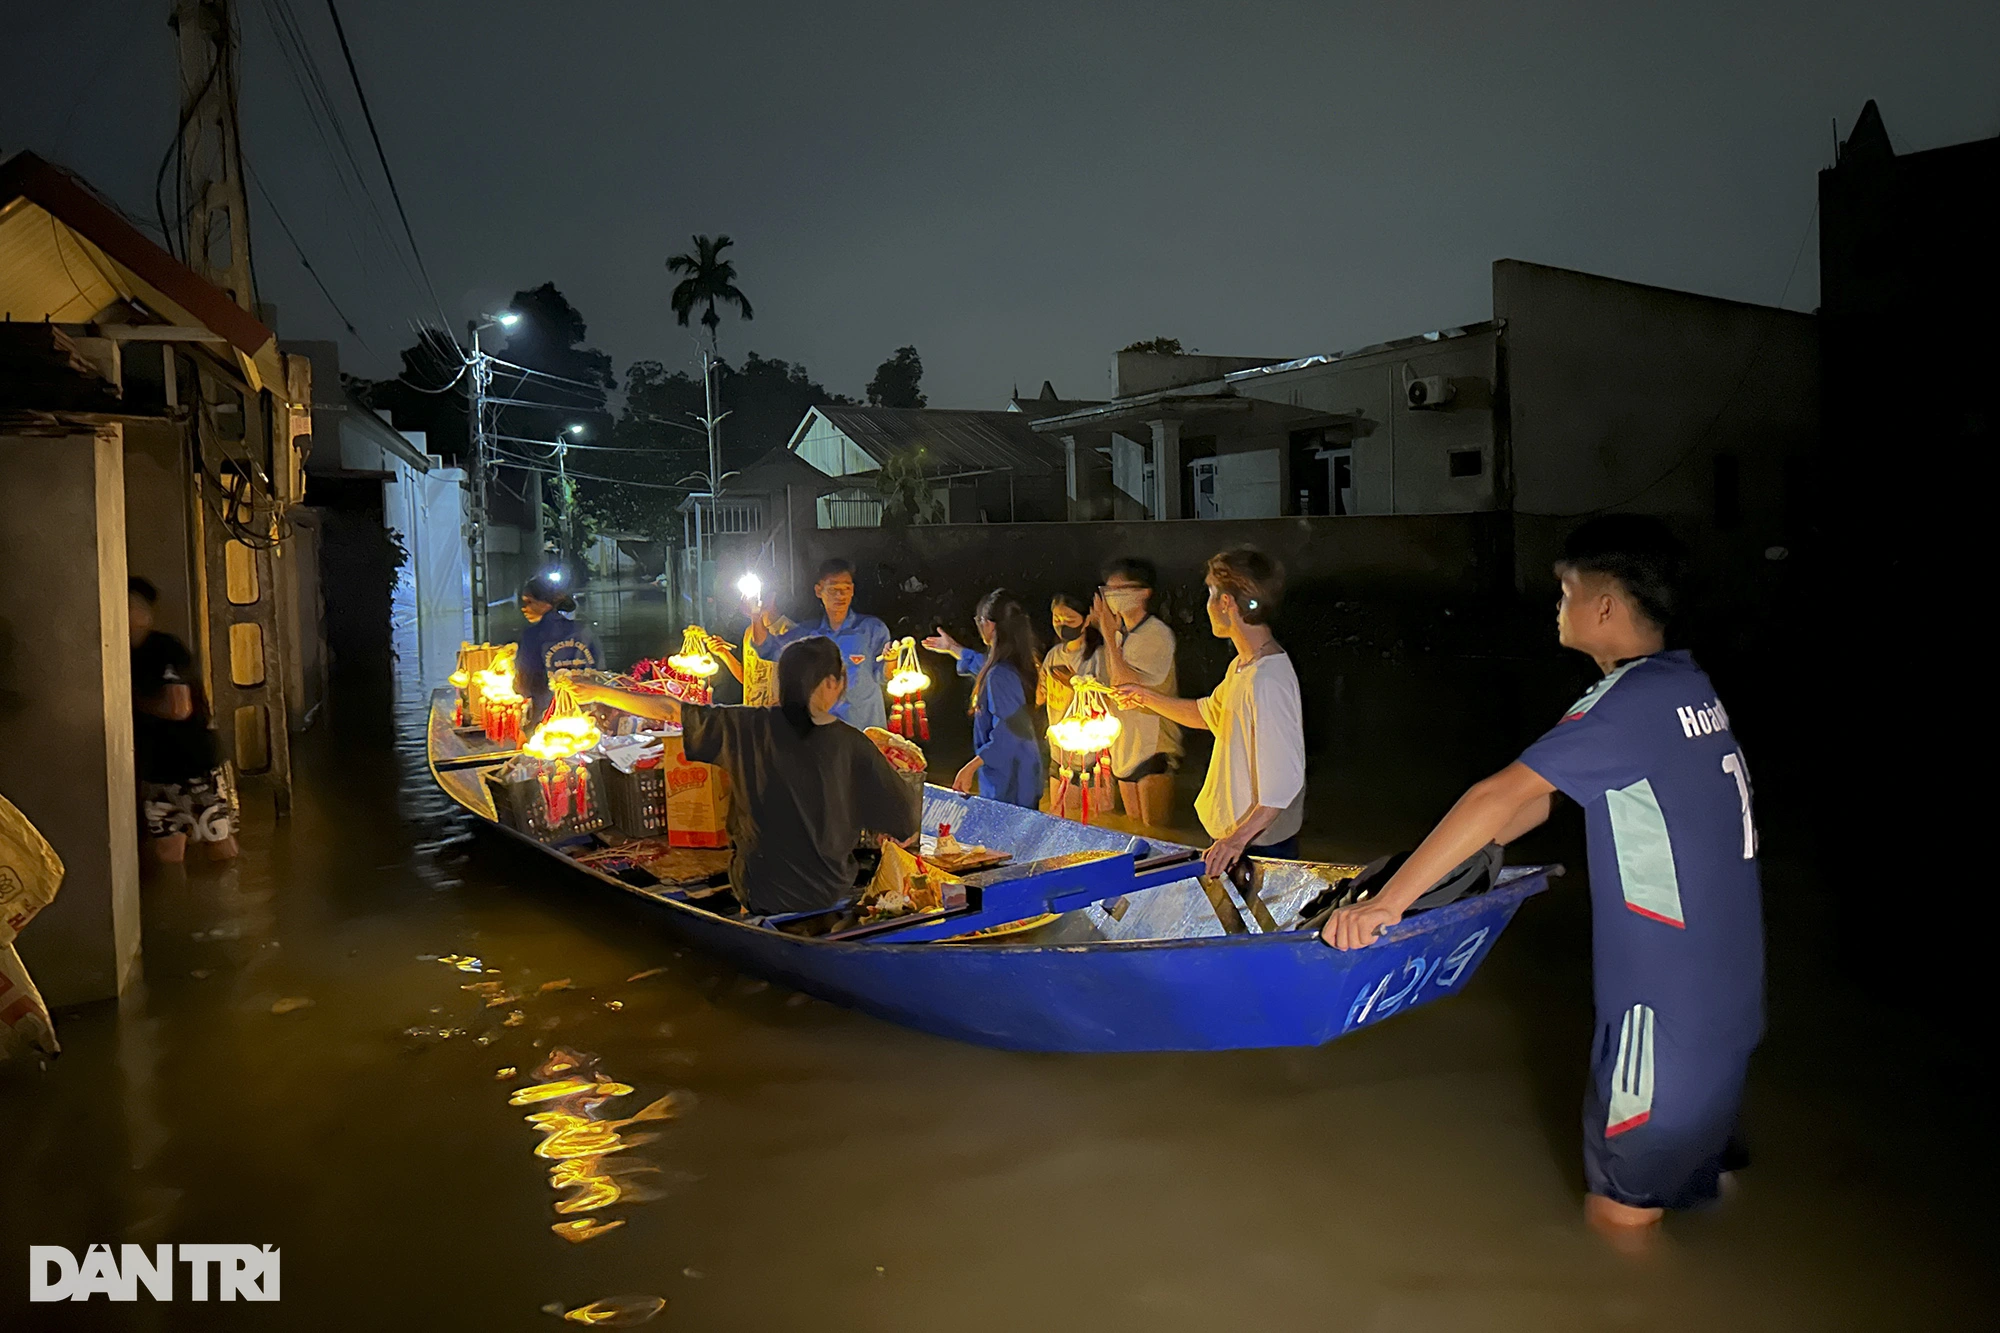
x: 710, y: 278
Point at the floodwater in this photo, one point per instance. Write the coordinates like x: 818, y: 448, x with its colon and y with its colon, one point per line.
x: 831, y: 1172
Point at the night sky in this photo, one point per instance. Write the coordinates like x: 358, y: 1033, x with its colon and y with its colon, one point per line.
x: 1019, y: 189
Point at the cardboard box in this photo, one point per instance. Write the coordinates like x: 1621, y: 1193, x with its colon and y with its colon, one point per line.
x: 697, y: 799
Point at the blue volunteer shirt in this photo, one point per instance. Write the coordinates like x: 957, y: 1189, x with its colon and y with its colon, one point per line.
x: 861, y: 640
x: 553, y: 643
x: 1676, y: 905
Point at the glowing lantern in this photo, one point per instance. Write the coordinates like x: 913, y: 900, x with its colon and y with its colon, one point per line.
x: 685, y: 675
x: 1081, y: 741
x: 568, y: 730
x: 501, y: 708
x: 905, y: 688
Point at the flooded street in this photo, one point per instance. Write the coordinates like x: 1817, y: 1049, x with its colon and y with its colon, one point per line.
x: 832, y: 1172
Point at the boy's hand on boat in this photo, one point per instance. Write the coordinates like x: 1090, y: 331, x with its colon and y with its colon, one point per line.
x: 967, y: 781
x: 1358, y: 925
x: 1221, y: 855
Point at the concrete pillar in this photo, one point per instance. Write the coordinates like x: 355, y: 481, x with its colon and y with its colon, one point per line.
x: 66, y: 701
x: 1167, y: 469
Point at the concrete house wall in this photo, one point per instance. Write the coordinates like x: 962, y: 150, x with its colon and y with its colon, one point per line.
x: 1627, y: 397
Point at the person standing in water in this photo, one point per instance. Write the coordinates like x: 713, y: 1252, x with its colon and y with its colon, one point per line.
x: 1078, y: 651
x: 1139, y: 650
x: 1677, y: 926
x: 551, y: 641
x: 1006, y: 763
x: 862, y: 639
x: 185, y: 794
x: 1253, y: 801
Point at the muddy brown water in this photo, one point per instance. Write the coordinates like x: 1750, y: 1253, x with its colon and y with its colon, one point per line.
x: 835, y: 1172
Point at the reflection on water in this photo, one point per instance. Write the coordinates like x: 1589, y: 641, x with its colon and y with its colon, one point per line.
x: 844, y: 1174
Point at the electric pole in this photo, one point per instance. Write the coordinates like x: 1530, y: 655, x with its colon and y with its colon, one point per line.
x: 214, y: 215
x: 243, y: 458
x: 475, y: 428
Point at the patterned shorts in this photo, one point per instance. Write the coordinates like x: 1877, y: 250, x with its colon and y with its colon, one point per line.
x: 202, y: 808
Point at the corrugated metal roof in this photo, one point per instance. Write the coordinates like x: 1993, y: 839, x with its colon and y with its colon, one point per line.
x: 953, y: 441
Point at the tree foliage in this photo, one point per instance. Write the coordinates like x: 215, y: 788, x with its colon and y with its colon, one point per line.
x: 710, y: 281
x: 897, y: 381
x: 904, y: 486
x: 428, y: 396
x: 1157, y: 346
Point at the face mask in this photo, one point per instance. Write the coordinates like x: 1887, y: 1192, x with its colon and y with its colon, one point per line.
x: 1125, y: 600
x: 1069, y: 633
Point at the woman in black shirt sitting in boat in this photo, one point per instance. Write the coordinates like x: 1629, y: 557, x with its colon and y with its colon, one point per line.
x: 805, y: 783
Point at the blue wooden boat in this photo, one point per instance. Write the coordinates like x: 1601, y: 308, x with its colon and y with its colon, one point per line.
x: 1127, y: 950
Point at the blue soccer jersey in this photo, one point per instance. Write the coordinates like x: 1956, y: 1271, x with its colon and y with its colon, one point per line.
x: 1677, y: 922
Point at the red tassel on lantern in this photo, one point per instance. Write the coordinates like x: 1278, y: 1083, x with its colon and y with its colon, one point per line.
x: 923, y: 722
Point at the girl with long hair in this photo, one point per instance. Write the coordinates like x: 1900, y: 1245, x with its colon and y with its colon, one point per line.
x: 1006, y: 763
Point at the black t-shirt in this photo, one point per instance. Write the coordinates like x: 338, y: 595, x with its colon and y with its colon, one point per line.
x: 801, y: 793
x: 165, y: 750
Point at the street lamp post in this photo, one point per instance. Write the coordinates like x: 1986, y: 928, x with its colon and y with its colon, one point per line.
x: 481, y: 372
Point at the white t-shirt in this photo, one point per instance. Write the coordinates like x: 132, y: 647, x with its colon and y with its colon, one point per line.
x: 1149, y: 654
x: 1260, y: 748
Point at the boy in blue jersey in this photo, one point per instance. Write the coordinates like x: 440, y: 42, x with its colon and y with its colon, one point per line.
x: 861, y: 640
x: 1676, y: 907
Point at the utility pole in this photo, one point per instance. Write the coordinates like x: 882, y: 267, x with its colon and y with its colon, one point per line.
x: 478, y: 372
x: 243, y: 452
x: 711, y: 423
x: 214, y: 213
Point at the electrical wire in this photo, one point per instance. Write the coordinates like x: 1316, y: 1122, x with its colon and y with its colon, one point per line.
x: 368, y: 115
x: 305, y: 262
x: 317, y: 101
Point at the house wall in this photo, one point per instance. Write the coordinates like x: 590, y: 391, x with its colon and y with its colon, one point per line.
x: 158, y: 544
x: 66, y: 704
x: 829, y: 450
x: 1401, y: 455
x: 1625, y: 397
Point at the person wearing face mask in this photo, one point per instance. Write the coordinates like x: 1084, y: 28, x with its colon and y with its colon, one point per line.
x: 1078, y: 651
x: 1139, y: 650
x: 1253, y: 801
x: 803, y: 783
x: 1006, y: 763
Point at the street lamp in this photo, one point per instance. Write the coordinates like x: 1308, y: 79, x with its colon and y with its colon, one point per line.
x: 481, y: 371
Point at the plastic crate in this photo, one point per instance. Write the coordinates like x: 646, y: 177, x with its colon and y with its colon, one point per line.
x: 635, y: 801
x: 521, y: 806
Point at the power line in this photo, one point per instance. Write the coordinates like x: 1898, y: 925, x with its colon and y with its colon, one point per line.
x: 368, y: 115
x: 304, y: 262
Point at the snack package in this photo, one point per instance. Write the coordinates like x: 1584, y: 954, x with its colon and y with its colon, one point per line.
x: 24, y: 1018
x: 903, y: 755
x: 30, y: 871
x: 697, y: 798
x: 905, y: 884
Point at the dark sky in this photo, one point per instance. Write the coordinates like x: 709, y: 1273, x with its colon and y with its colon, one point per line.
x: 1019, y: 189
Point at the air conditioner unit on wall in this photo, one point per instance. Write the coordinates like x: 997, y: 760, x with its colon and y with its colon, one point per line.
x: 1431, y: 391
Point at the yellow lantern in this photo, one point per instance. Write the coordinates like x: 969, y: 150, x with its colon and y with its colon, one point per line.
x: 1081, y: 740
x: 568, y: 731
x: 905, y: 688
